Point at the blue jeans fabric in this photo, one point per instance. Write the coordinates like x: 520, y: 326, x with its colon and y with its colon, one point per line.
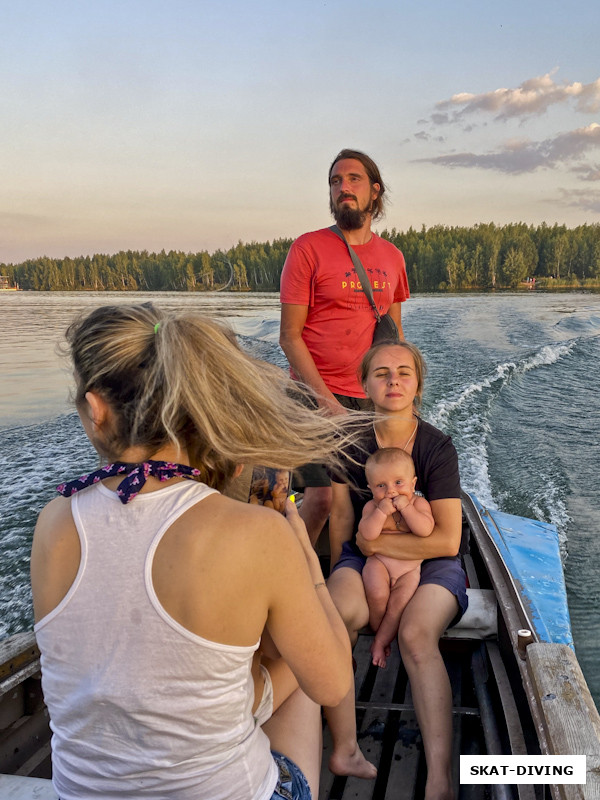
x: 292, y: 785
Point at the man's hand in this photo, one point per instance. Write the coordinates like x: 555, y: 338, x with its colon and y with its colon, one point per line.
x: 333, y: 406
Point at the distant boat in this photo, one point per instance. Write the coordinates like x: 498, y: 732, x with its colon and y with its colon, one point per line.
x: 5, y: 285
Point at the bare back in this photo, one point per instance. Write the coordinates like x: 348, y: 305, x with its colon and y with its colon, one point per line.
x: 220, y: 556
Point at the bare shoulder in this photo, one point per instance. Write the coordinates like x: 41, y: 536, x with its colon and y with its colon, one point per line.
x: 243, y: 524
x: 55, y: 532
x: 237, y: 542
x: 55, y: 556
x: 54, y: 517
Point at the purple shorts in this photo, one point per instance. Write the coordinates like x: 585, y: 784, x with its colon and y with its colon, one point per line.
x: 446, y: 572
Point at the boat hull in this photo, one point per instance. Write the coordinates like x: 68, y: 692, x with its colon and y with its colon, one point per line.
x: 512, y: 694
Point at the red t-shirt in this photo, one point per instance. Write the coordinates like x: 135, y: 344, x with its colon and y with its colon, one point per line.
x: 319, y: 273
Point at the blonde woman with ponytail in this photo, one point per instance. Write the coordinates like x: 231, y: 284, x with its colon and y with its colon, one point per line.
x: 152, y: 589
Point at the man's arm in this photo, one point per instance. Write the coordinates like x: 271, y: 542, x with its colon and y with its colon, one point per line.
x: 395, y: 313
x: 443, y: 541
x: 293, y: 319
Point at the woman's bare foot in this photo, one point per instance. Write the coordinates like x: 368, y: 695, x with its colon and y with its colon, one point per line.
x: 379, y: 653
x: 352, y: 763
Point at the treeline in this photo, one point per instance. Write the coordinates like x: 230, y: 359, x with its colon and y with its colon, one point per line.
x: 242, y: 268
x: 490, y: 257
x: 440, y: 258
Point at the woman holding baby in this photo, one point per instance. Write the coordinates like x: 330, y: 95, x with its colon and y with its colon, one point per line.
x: 392, y: 376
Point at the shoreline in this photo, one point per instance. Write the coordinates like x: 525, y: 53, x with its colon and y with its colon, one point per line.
x: 524, y: 288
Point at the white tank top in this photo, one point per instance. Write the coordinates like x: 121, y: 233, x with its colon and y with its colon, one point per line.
x: 139, y: 705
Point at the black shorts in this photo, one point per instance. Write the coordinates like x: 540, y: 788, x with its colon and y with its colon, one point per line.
x: 315, y: 474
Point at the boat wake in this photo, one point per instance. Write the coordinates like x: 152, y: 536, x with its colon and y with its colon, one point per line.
x: 29, y: 456
x: 473, y: 417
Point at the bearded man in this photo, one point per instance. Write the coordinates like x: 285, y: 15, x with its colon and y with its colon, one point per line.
x: 327, y: 323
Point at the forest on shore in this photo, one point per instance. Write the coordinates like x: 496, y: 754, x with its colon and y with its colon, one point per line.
x: 483, y: 257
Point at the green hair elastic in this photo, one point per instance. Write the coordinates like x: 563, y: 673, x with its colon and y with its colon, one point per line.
x: 156, y: 327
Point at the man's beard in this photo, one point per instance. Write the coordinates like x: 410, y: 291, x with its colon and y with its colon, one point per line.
x: 348, y: 218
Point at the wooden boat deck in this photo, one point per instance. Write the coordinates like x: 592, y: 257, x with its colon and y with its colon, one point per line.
x: 388, y: 732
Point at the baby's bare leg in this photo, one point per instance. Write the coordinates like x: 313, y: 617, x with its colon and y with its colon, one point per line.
x: 376, y: 580
x: 402, y: 591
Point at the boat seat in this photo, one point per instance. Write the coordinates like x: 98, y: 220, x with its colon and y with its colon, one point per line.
x: 13, y: 787
x: 480, y: 621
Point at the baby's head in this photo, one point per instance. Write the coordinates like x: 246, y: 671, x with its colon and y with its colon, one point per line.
x: 390, y: 472
x: 281, y: 481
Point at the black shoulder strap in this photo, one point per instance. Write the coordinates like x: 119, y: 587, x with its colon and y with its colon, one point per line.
x: 360, y: 271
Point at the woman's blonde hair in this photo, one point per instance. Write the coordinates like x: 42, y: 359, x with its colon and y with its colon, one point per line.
x: 420, y: 366
x: 181, y: 378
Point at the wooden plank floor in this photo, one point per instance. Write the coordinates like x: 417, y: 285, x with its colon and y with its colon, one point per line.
x: 388, y: 732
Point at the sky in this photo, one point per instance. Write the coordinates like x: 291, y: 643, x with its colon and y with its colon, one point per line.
x: 189, y: 125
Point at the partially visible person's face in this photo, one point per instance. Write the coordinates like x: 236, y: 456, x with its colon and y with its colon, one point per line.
x: 352, y: 194
x: 391, y: 480
x: 392, y: 381
x: 281, y: 482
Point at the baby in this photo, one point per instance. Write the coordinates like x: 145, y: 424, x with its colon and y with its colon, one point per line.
x: 280, y: 484
x: 390, y: 582
x: 269, y: 487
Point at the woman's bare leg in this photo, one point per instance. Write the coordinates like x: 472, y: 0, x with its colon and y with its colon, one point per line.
x: 295, y: 730
x: 283, y: 680
x: 425, y: 619
x: 346, y: 588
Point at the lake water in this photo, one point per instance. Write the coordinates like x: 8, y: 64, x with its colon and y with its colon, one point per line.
x: 512, y: 377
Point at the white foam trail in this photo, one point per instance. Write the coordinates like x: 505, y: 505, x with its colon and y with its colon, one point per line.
x: 549, y: 505
x: 549, y: 354
x: 467, y: 414
x: 502, y: 375
x: 444, y: 409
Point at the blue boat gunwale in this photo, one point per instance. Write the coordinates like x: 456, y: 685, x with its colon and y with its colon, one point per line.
x: 530, y: 552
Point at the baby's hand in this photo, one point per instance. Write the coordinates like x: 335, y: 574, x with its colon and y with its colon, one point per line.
x: 386, y: 506
x: 400, y: 501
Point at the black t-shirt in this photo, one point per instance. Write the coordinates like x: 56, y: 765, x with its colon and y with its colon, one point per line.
x: 436, y: 468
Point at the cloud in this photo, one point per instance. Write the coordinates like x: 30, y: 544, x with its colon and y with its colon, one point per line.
x: 532, y: 97
x: 440, y: 119
x: 519, y: 156
x: 588, y: 172
x: 581, y: 198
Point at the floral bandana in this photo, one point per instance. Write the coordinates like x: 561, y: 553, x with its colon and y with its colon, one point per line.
x: 134, y: 480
